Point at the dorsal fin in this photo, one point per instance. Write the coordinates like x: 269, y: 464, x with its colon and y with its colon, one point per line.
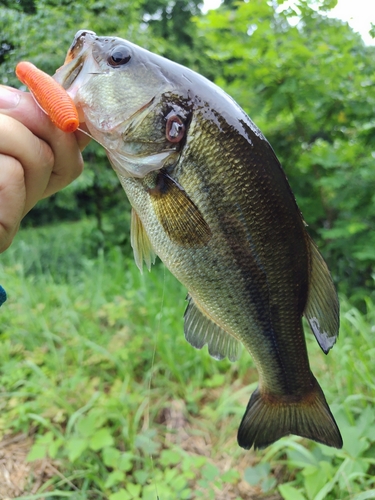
x: 322, y: 309
x: 140, y: 243
x: 200, y: 330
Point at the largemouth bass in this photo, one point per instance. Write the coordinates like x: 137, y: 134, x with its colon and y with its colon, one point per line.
x: 211, y: 199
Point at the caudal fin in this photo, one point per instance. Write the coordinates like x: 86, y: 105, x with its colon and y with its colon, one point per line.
x: 268, y: 418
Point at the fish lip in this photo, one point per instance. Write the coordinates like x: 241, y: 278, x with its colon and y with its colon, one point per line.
x: 66, y: 75
x: 75, y: 58
x: 80, y: 39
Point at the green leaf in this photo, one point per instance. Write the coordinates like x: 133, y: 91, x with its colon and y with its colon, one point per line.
x: 301, y: 456
x: 289, y: 492
x: 185, y: 494
x: 43, y: 446
x: 120, y: 495
x: 55, y: 446
x: 101, y: 439
x: 170, y: 457
x: 210, y: 472
x: 75, y: 447
x: 111, y: 457
x: 114, y: 478
x: 365, y: 495
x: 146, y: 443
x: 141, y: 476
x: 231, y: 476
x: 268, y: 484
x: 316, y: 477
x: 134, y: 490
x: 126, y: 462
x: 354, y: 443
x: 218, y: 380
x: 37, y: 452
x: 254, y: 475
x: 88, y: 425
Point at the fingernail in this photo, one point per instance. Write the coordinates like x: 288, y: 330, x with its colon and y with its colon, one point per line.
x: 8, y: 98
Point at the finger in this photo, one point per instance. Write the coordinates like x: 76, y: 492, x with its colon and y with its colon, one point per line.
x: 12, y: 199
x: 28, y: 109
x: 66, y: 148
x: 35, y: 156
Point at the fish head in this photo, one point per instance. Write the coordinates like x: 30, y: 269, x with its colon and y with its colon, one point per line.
x: 129, y: 101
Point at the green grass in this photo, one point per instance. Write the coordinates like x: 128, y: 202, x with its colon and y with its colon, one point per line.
x: 94, y: 364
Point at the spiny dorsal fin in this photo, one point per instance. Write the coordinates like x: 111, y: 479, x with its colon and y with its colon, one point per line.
x: 180, y: 218
x: 200, y: 330
x: 140, y: 243
x: 322, y: 308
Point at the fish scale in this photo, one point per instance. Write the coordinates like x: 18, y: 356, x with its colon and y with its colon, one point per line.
x: 210, y: 198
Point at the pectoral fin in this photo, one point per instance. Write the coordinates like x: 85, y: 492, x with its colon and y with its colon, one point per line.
x: 179, y: 216
x: 322, y: 307
x: 140, y: 243
x: 200, y: 330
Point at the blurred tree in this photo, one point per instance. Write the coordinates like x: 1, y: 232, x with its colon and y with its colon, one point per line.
x: 171, y: 22
x: 27, y: 6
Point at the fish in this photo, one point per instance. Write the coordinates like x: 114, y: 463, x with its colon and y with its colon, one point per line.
x: 211, y: 199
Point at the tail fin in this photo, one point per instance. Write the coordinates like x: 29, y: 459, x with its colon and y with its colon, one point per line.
x: 270, y: 417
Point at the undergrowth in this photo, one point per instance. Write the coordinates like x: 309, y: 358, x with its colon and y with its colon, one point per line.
x: 94, y: 365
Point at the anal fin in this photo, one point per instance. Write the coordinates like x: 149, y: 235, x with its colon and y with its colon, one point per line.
x: 140, y: 243
x: 322, y: 309
x: 199, y: 330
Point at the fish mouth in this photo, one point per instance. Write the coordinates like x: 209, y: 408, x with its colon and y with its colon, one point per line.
x: 81, y: 39
x: 78, y: 67
x: 69, y: 72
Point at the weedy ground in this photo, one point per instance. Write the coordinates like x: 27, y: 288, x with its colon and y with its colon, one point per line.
x: 101, y: 397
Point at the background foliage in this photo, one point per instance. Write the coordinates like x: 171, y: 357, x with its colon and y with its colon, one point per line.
x: 309, y: 85
x: 71, y: 372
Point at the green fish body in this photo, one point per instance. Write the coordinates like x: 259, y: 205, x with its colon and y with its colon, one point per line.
x: 210, y: 198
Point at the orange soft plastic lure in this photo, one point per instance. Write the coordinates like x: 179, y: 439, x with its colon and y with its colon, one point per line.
x: 50, y: 95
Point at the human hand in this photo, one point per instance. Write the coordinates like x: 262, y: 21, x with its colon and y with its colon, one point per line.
x: 36, y: 159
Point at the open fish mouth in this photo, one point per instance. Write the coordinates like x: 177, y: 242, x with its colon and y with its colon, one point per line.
x: 71, y: 72
x: 78, y: 67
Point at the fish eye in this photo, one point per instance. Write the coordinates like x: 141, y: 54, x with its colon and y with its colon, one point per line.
x: 119, y: 56
x: 175, y: 129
